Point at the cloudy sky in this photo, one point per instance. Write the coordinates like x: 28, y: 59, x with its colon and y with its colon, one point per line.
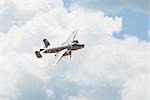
x: 114, y: 65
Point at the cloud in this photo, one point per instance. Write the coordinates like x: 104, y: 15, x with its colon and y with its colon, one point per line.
x: 8, y: 79
x: 18, y: 12
x: 115, y: 5
x: 106, y: 68
x: 77, y: 98
x: 138, y: 91
x: 124, y: 64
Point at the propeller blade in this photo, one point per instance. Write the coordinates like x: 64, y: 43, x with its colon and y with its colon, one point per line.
x: 71, y: 37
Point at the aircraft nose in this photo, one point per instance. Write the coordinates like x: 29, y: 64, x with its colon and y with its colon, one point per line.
x: 82, y: 45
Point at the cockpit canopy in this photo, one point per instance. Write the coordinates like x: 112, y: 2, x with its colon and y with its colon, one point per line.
x: 75, y: 41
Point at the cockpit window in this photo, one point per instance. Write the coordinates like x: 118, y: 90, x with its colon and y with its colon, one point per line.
x: 75, y: 41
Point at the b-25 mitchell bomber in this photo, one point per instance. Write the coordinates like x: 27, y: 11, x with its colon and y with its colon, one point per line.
x: 65, y: 49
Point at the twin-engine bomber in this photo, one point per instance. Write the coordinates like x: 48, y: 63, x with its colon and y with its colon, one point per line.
x: 65, y: 49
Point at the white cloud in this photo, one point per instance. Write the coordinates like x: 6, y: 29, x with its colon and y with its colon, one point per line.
x: 106, y: 64
x: 50, y: 92
x: 18, y: 12
x: 77, y: 98
x: 122, y: 63
x: 8, y: 79
x: 137, y: 88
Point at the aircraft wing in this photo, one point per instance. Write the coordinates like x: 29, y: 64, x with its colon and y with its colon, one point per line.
x: 71, y: 37
x: 60, y: 55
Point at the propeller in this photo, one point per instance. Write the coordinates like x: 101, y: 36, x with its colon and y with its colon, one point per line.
x: 71, y: 37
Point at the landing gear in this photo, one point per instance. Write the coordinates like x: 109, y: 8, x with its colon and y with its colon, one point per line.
x: 70, y: 54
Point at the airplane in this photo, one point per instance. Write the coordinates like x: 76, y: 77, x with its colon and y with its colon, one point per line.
x: 65, y: 49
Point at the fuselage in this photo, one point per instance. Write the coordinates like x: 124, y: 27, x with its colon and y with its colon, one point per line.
x: 69, y: 47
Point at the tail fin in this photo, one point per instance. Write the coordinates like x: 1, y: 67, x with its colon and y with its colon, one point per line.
x: 46, y: 43
x: 38, y: 55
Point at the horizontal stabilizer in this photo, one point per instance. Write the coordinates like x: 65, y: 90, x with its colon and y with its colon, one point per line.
x: 38, y: 55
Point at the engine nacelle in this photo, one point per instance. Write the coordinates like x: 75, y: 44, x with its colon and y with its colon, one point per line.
x: 67, y: 53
